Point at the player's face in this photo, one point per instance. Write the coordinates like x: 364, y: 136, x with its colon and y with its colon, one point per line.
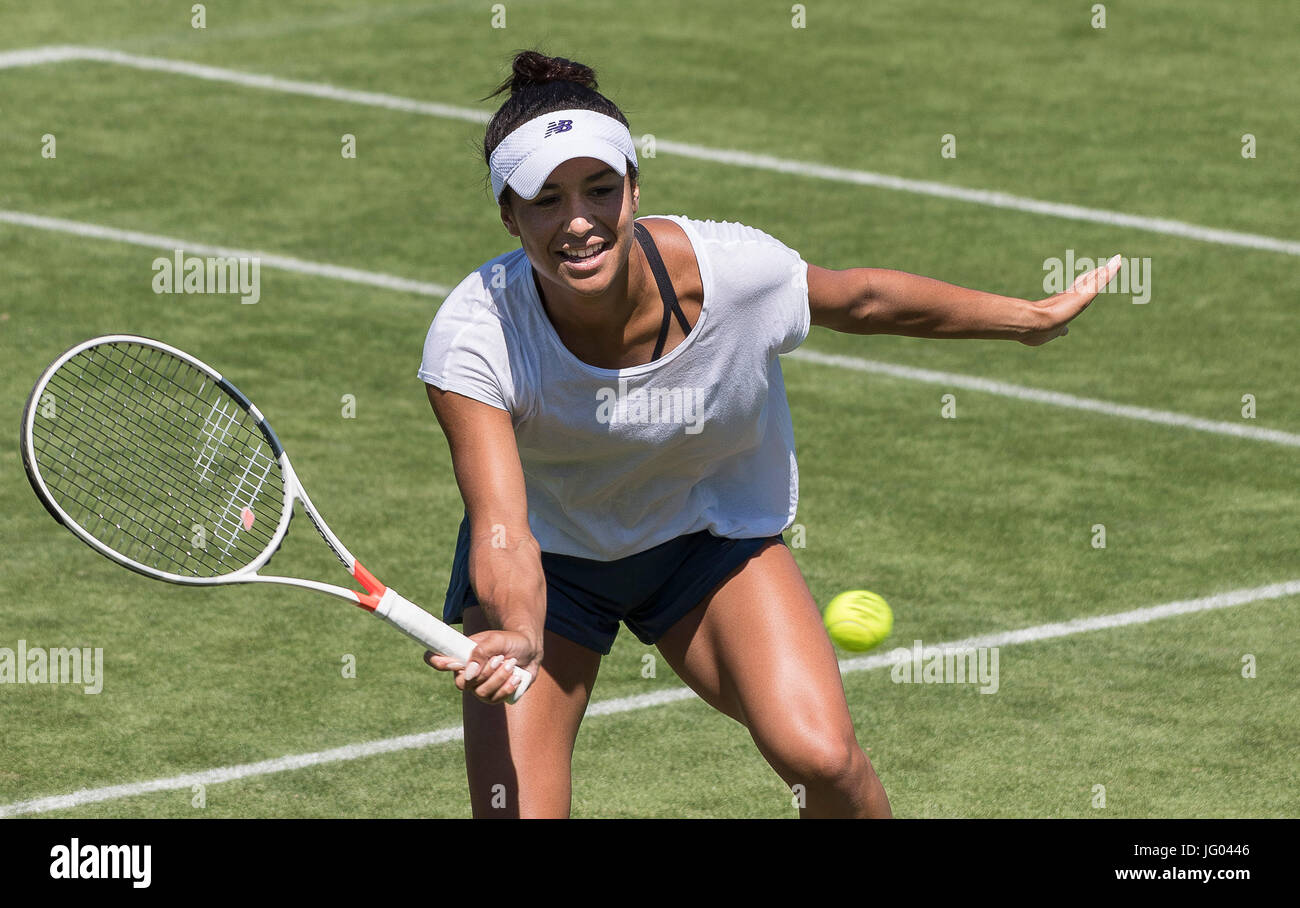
x: 584, y: 207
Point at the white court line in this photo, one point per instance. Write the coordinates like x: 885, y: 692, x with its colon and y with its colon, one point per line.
x: 41, y: 55
x: 989, y: 198
x: 1055, y: 398
x: 283, y: 262
x: 641, y: 701
x: 424, y: 288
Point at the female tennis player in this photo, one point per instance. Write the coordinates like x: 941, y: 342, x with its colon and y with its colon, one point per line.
x: 612, y: 397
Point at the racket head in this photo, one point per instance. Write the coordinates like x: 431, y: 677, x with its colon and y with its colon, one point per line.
x: 153, y: 459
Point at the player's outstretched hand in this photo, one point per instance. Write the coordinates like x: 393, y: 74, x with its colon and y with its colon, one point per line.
x: 489, y: 674
x: 1060, y: 309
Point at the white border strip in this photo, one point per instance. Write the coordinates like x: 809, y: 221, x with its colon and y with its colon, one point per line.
x: 1055, y: 398
x: 639, y: 702
x: 988, y: 198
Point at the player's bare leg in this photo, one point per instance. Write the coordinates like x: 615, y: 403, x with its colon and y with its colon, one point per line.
x: 519, y: 756
x: 756, y: 650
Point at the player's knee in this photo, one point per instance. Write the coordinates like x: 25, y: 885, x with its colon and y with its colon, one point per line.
x: 823, y: 762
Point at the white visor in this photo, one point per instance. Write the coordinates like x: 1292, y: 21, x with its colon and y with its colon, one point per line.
x: 526, y: 157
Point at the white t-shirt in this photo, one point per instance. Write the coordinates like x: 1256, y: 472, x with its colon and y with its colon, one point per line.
x: 617, y: 461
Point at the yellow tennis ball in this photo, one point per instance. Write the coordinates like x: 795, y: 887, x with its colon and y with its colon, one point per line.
x: 858, y: 620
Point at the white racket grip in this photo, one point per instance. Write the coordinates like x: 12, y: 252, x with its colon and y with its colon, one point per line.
x: 424, y: 628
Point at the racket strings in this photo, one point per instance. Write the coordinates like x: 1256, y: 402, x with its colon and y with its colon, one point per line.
x: 135, y: 432
x: 168, y: 441
x: 147, y: 459
x: 160, y: 456
x: 142, y: 472
x: 157, y: 461
x: 222, y: 434
x: 107, y: 484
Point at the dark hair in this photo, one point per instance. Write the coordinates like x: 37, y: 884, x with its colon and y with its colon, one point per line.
x: 539, y: 85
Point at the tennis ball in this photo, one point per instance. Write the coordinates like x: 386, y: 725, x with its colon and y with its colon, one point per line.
x: 858, y: 620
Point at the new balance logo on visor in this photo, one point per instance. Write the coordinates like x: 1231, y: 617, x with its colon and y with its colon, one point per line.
x: 557, y: 126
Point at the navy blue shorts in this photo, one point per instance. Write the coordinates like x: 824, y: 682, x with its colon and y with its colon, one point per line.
x: 649, y: 591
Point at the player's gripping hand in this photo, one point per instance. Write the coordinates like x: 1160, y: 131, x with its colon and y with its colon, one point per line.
x: 489, y: 674
x: 1056, y: 312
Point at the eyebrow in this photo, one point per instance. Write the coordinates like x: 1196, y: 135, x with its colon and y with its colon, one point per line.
x: 591, y: 179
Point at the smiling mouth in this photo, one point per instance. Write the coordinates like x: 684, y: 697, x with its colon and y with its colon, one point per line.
x: 586, y: 254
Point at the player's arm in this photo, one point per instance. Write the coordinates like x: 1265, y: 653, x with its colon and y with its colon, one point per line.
x: 879, y: 301
x: 505, y: 566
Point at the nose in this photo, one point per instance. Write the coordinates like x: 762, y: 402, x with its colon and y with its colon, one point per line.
x: 578, y: 225
x: 577, y: 220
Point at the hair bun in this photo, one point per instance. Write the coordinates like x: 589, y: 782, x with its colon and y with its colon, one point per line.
x: 533, y: 68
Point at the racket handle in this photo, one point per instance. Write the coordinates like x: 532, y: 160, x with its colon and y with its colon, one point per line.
x: 424, y: 628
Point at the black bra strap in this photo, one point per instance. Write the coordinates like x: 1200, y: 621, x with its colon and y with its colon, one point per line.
x: 671, y: 306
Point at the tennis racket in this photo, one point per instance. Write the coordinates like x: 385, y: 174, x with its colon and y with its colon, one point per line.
x: 155, y: 461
